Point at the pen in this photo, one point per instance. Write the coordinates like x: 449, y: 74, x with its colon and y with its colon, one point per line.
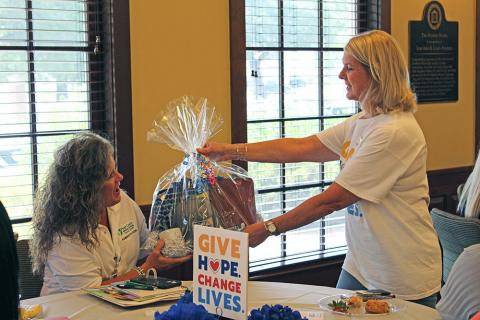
x: 132, y: 285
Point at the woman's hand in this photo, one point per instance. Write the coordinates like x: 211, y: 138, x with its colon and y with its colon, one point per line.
x: 159, y: 262
x: 217, y: 151
x: 256, y: 234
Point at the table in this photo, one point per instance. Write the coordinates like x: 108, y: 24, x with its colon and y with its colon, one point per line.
x: 78, y: 305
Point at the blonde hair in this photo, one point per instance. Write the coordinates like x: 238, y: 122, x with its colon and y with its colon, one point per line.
x: 469, y: 198
x: 389, y: 89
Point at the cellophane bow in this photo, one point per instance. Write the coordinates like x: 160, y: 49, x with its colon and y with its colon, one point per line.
x: 197, y: 190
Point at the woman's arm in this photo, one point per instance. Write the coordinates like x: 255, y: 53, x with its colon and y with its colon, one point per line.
x: 155, y: 260
x: 132, y: 274
x: 73, y: 267
x: 333, y: 198
x: 285, y: 150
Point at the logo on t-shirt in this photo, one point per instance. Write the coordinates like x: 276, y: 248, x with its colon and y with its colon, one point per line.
x: 346, y: 152
x: 355, y: 210
x: 126, y: 230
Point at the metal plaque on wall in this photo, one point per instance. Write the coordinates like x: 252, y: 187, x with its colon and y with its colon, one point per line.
x: 434, y: 55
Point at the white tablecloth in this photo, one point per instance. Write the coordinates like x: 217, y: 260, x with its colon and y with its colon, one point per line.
x: 81, y: 306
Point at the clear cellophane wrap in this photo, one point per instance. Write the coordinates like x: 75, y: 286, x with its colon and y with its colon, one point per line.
x: 196, y: 191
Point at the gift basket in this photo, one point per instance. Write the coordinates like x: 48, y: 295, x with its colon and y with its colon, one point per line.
x: 196, y: 191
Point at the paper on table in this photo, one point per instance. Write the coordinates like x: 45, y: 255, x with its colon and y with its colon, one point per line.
x: 312, y: 315
x: 126, y: 299
x: 153, y: 293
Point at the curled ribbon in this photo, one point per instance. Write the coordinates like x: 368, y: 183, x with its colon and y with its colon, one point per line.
x: 205, y: 167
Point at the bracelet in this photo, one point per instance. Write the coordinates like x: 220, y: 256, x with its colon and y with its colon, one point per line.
x: 240, y: 155
x: 140, y: 271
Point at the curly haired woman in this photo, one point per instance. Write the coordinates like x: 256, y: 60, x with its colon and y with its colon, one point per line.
x: 87, y: 231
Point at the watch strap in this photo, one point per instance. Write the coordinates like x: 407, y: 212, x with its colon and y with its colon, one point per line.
x: 267, y: 224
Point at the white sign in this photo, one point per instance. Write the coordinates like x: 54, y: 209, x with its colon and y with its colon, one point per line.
x: 220, y: 271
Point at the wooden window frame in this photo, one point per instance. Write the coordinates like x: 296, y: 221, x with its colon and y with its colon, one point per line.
x: 239, y: 102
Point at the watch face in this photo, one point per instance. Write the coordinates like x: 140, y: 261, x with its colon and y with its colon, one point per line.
x: 271, y: 227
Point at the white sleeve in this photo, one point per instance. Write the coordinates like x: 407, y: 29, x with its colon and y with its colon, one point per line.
x: 142, y: 228
x: 140, y: 218
x: 72, y: 266
x: 461, y: 292
x: 377, y: 165
x: 334, y: 137
x: 142, y: 225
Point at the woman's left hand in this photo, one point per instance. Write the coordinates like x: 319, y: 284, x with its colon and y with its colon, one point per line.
x: 160, y: 262
x: 256, y: 234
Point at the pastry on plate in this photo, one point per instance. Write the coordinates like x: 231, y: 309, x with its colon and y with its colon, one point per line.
x: 377, y: 306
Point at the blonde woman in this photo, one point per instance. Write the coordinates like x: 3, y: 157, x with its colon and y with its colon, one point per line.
x: 469, y: 199
x: 391, y: 241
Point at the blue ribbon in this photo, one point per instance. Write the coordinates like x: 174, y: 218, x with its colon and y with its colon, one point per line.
x: 185, y: 309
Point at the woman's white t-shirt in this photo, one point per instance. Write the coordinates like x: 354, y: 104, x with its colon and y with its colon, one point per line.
x: 391, y: 240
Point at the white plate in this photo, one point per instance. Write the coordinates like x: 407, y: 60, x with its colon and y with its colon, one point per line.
x: 396, y: 305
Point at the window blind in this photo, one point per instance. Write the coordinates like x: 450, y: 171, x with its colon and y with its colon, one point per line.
x: 51, y: 87
x: 293, y: 54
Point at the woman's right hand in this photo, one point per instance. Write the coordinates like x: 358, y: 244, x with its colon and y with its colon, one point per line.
x: 257, y: 234
x: 159, y: 262
x: 217, y: 151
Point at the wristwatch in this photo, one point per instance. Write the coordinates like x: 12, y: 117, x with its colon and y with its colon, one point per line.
x: 271, y: 228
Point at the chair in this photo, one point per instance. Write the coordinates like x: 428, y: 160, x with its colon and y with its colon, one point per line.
x: 455, y: 234
x: 29, y: 284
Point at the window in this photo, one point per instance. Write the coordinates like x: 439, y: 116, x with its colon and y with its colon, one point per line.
x: 286, y: 56
x: 55, y: 81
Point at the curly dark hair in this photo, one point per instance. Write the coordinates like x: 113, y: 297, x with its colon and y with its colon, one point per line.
x: 70, y: 201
